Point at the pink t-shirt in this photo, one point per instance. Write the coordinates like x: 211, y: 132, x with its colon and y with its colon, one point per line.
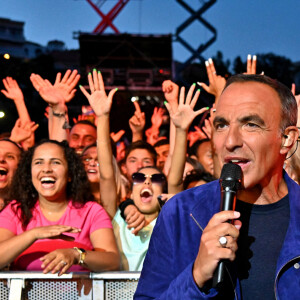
x: 88, y: 218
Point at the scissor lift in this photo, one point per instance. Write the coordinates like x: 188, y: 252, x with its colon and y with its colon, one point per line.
x: 196, y: 15
x: 107, y: 18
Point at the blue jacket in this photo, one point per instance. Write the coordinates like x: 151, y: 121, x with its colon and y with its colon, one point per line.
x: 167, y: 271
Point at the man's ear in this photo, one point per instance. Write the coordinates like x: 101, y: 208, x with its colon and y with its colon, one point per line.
x: 124, y: 169
x: 289, y: 138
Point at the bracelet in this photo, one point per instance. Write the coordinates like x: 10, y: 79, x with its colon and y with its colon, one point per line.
x: 58, y: 114
x: 82, y: 255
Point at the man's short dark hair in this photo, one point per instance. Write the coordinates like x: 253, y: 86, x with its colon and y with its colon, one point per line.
x: 141, y: 145
x: 194, y: 148
x: 84, y: 122
x: 289, y: 111
x: 161, y: 143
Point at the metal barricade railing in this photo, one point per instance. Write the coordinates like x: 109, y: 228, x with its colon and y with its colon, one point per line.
x: 72, y: 286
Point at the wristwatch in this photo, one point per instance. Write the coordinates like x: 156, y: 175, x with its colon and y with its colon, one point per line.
x: 82, y: 254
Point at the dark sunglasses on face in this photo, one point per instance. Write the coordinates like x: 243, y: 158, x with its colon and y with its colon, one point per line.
x: 155, y: 178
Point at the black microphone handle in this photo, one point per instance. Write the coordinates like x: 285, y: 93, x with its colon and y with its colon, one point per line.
x: 228, y: 199
x: 228, y: 203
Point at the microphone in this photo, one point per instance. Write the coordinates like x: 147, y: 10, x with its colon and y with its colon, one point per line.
x: 230, y: 181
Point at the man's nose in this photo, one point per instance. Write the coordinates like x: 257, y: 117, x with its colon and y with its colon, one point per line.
x: 139, y: 164
x: 80, y: 143
x: 233, y: 139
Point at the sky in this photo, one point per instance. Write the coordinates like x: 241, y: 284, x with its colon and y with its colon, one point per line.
x: 243, y: 26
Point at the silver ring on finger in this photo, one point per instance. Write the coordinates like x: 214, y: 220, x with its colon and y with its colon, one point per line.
x: 63, y: 262
x: 223, y: 241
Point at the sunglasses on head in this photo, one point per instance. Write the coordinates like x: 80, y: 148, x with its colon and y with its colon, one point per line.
x: 141, y: 177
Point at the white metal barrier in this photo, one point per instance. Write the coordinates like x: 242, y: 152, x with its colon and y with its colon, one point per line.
x: 72, y: 286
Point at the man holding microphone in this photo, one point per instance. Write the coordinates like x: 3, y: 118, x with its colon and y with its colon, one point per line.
x: 254, y: 127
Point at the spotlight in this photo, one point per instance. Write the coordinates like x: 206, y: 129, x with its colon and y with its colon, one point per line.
x: 134, y: 98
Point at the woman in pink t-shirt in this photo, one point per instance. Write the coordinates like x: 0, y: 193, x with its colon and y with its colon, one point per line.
x: 53, y: 224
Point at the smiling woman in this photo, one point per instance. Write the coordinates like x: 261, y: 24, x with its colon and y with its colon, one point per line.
x: 54, y: 201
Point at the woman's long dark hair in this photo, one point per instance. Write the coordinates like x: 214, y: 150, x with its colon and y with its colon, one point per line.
x: 23, y: 191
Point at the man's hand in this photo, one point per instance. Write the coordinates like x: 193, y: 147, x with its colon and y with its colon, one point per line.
x: 210, y: 250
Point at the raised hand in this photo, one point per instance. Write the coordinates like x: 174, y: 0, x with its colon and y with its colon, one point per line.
x: 99, y: 101
x: 185, y: 114
x: 137, y: 121
x: 117, y: 136
x: 171, y: 92
x: 82, y: 117
x: 61, y: 91
x: 23, y: 131
x: 152, y: 133
x: 251, y: 64
x: 12, y: 90
x: 67, y: 84
x: 157, y: 116
x: 216, y: 82
x: 196, y: 135
x: 47, y: 91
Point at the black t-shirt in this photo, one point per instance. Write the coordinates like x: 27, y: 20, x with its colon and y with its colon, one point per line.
x: 261, y: 237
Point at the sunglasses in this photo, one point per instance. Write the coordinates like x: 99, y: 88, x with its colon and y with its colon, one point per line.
x: 155, y: 178
x: 87, y: 160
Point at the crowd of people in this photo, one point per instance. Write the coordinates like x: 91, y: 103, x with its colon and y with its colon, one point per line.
x: 81, y: 199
